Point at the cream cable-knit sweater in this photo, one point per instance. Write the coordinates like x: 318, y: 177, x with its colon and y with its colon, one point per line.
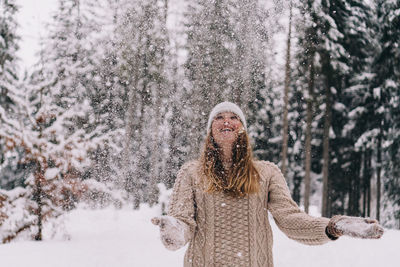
x: 228, y: 231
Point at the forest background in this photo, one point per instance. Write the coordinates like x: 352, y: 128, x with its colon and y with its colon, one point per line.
x: 120, y: 95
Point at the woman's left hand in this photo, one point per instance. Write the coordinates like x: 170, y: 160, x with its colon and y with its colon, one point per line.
x: 355, y: 227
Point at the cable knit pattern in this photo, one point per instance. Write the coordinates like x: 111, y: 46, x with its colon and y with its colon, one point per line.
x: 228, y: 231
x: 231, y: 220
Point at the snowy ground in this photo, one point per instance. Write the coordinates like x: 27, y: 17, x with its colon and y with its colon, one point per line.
x: 126, y: 238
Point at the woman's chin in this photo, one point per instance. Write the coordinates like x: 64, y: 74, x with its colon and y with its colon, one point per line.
x: 226, y: 140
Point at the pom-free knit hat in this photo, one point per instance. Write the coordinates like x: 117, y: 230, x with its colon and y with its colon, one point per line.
x: 226, y: 107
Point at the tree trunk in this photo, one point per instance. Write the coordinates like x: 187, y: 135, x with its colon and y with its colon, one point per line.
x: 129, y: 131
x: 310, y: 100
x: 133, y: 129
x: 378, y: 174
x: 366, y: 183
x: 38, y: 194
x: 354, y: 184
x: 286, y: 97
x: 369, y: 184
x: 325, y: 167
x: 38, y: 199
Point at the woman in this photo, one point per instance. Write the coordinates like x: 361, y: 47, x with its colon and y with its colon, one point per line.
x: 219, y: 203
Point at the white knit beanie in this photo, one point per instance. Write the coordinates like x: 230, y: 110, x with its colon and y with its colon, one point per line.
x: 226, y: 107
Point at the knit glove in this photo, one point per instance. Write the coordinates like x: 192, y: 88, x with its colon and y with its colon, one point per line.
x: 353, y: 226
x: 173, y: 232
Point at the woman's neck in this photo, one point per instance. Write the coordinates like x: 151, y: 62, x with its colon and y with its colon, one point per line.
x: 227, y: 156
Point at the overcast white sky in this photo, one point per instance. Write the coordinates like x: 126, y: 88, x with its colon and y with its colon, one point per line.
x: 31, y: 16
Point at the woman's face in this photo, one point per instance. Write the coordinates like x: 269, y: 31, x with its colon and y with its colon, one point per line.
x: 225, y: 128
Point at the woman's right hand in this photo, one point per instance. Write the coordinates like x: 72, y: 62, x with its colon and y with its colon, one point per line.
x: 172, y: 231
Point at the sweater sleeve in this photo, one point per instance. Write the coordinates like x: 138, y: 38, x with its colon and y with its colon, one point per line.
x: 295, y: 223
x: 182, y: 204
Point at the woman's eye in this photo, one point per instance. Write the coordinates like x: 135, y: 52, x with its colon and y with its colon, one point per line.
x: 234, y: 118
x: 219, y: 118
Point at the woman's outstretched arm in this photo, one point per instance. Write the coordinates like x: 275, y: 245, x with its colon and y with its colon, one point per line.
x: 311, y: 230
x: 295, y: 223
x: 178, y: 227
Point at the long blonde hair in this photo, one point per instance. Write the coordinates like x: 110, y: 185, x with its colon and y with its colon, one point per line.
x: 242, y: 179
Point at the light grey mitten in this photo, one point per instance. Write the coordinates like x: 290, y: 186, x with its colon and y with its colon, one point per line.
x: 173, y: 232
x: 354, y: 226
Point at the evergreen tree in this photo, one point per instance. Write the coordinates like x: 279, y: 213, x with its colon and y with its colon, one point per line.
x: 338, y: 33
x: 210, y: 59
x: 305, y: 82
x: 177, y: 142
x: 105, y: 93
x: 353, y: 22
x: 224, y: 41
x: 58, y: 131
x: 141, y: 68
x: 386, y: 92
x: 11, y: 169
x: 285, y: 134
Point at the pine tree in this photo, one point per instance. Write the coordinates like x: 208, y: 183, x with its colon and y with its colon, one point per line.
x: 57, y: 132
x: 286, y: 94
x: 141, y: 68
x: 105, y: 93
x: 307, y: 42
x: 386, y: 91
x: 224, y: 41
x: 177, y: 142
x: 11, y: 170
x: 209, y: 61
x: 265, y: 108
x: 336, y: 50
